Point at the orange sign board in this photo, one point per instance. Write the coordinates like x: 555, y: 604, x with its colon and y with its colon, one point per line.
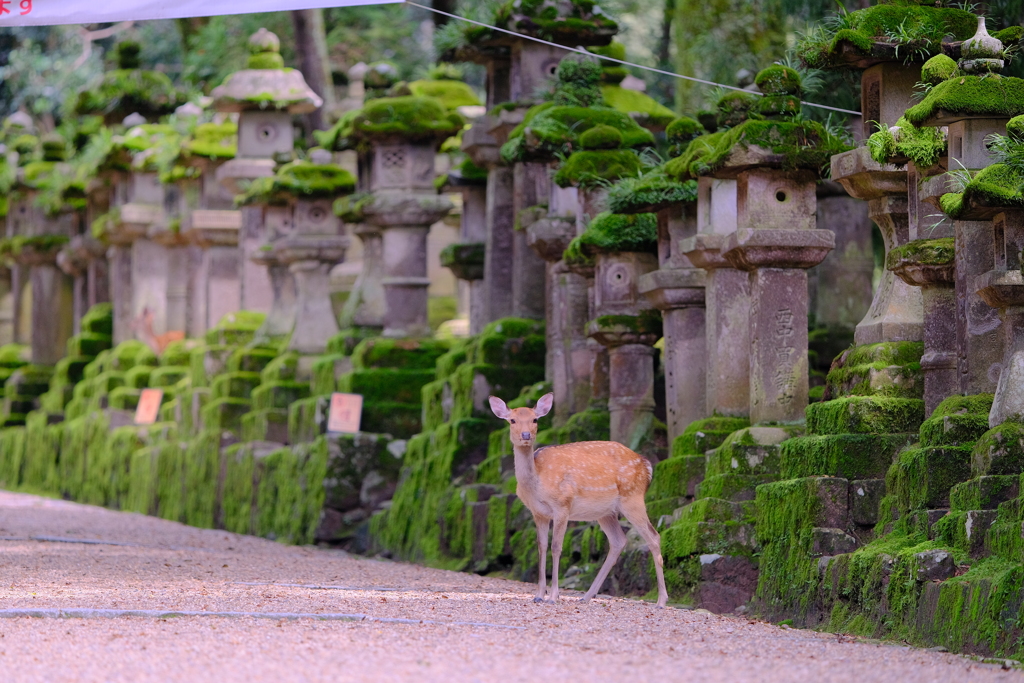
x: 149, y: 406
x: 345, y: 413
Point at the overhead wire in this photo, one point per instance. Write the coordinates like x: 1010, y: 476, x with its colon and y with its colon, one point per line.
x: 579, y: 50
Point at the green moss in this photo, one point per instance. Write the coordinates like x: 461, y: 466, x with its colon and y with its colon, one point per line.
x: 938, y: 69
x: 923, y: 146
x: 865, y: 415
x: 957, y: 421
x: 213, y: 140
x: 999, y: 451
x: 800, y: 144
x: 593, y: 424
x: 225, y: 414
x: 265, y: 60
x: 921, y: 478
x: 701, y: 436
x: 990, y: 95
x: 779, y: 80
x: 601, y: 137
x: 409, y: 118
x: 250, y: 359
x: 609, y: 232
x: 851, y: 456
x: 548, y: 130
x: 596, y: 168
x: 649, y: 193
x: 300, y: 179
x: 934, y: 252
x: 386, y: 384
x: 998, y: 185
x: 405, y: 354
x: 235, y: 385
x: 898, y: 30
x: 278, y: 394
x: 452, y: 94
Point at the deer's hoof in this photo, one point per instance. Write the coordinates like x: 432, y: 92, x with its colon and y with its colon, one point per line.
x: 585, y: 598
x: 538, y: 599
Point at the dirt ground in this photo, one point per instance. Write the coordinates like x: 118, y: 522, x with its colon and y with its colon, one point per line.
x: 88, y: 594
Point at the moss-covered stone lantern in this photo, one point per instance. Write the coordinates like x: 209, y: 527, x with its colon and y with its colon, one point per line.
x: 129, y: 90
x: 776, y: 161
x: 201, y: 216
x: 397, y: 139
x: 677, y: 287
x: 40, y: 221
x: 974, y: 103
x: 466, y: 257
x: 306, y: 237
x: 265, y: 96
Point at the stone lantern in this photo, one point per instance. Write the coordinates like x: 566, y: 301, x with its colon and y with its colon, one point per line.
x: 203, y: 213
x: 37, y: 231
x: 518, y: 71
x: 776, y: 239
x: 296, y: 206
x: 397, y: 139
x: 265, y: 96
x: 970, y: 121
x: 466, y: 258
x: 623, y: 248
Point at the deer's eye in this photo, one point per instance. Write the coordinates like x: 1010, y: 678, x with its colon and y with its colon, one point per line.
x: 512, y: 421
x: 534, y: 420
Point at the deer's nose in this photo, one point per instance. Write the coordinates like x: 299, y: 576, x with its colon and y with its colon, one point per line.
x: 526, y: 436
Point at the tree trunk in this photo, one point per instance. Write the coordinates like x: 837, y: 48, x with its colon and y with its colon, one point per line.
x: 444, y: 6
x: 311, y: 47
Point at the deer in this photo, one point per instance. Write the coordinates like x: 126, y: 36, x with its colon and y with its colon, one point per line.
x: 142, y: 326
x: 586, y: 481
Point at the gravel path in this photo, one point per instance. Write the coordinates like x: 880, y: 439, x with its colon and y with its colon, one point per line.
x: 475, y: 628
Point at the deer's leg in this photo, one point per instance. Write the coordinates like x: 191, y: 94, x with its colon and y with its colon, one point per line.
x: 616, y: 542
x: 636, y: 512
x: 542, y: 524
x: 557, y: 537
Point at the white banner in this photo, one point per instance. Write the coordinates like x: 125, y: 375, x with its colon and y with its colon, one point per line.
x: 49, y: 12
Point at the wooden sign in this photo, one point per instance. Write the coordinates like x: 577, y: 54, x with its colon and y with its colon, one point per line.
x: 345, y: 413
x: 149, y: 406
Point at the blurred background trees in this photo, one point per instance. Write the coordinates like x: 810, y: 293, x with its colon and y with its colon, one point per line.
x: 719, y: 40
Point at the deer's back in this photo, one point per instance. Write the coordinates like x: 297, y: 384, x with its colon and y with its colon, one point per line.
x: 595, y: 467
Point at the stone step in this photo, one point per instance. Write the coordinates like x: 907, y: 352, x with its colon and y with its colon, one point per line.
x: 754, y: 450
x: 865, y: 500
x: 710, y: 525
x: 677, y: 476
x: 984, y: 493
x: 966, y: 531
x: 865, y: 415
x: 876, y: 379
x: 851, y: 456
x: 999, y: 451
x: 957, y: 421
x: 734, y: 487
x: 701, y: 436
x: 921, y: 479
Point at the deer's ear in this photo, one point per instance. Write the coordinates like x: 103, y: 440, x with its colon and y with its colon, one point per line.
x: 544, y: 404
x: 499, y: 407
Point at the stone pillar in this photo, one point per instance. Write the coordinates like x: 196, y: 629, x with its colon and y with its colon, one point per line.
x: 280, y: 318
x: 776, y: 242
x: 568, y: 358
x: 897, y: 309
x: 622, y: 326
x: 310, y: 259
x: 367, y: 298
x: 215, y: 287
x: 936, y: 280
x: 727, y: 300
x: 531, y: 186
x: 52, y: 305
x: 1003, y: 289
x: 677, y: 290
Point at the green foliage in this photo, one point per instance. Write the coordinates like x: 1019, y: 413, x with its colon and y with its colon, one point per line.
x: 125, y: 91
x: 923, y: 146
x: 910, y: 31
x: 549, y: 130
x: 649, y: 193
x: 800, y: 144
x: 612, y: 232
x: 593, y: 168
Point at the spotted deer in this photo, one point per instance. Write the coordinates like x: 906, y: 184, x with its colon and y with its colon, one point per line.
x: 142, y: 326
x: 581, y: 482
